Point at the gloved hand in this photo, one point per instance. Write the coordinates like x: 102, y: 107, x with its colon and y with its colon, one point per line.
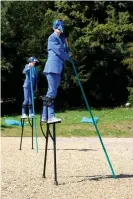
x: 30, y: 65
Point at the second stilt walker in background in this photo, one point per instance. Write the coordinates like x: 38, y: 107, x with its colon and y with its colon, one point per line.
x: 27, y: 87
x: 57, y: 55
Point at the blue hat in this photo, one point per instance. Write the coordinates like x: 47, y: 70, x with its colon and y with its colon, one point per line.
x: 58, y: 24
x: 33, y: 59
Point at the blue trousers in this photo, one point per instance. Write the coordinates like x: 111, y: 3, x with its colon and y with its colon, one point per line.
x: 27, y: 100
x: 53, y: 83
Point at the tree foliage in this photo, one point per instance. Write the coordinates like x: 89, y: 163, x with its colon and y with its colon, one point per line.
x: 99, y: 34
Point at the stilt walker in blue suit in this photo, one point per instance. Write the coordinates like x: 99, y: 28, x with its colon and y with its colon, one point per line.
x: 27, y: 86
x: 57, y: 55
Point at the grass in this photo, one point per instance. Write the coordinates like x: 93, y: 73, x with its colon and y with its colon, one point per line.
x: 116, y: 122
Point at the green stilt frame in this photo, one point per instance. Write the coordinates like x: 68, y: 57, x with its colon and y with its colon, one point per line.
x: 95, y: 125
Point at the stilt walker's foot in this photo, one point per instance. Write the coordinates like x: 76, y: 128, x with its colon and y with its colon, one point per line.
x: 43, y: 119
x: 24, y: 116
x: 51, y: 120
x: 54, y: 120
x: 31, y: 115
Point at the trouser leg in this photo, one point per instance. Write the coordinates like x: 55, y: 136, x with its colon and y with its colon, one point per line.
x: 30, y: 102
x: 26, y: 100
x: 53, y: 83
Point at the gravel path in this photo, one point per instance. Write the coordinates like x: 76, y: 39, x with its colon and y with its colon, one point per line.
x: 83, y: 172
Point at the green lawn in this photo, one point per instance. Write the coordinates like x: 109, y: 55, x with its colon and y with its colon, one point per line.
x: 116, y: 122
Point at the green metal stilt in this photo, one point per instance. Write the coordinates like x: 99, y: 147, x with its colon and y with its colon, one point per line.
x: 95, y: 125
x: 34, y: 119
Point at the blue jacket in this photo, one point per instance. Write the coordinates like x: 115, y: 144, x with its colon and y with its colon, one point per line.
x: 57, y: 54
x: 26, y: 71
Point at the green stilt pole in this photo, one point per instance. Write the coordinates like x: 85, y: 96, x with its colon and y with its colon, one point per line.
x: 88, y: 107
x: 34, y: 119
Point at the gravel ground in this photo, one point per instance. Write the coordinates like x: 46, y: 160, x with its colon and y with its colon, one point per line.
x: 83, y: 172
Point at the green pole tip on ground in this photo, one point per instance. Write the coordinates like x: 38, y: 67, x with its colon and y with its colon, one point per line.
x: 95, y: 125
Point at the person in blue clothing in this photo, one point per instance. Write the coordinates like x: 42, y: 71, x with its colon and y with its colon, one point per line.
x: 57, y: 55
x: 27, y: 86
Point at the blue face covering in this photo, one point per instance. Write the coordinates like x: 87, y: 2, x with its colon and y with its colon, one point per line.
x: 59, y: 24
x: 61, y: 28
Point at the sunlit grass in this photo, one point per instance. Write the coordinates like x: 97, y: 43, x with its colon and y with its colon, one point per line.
x: 116, y: 122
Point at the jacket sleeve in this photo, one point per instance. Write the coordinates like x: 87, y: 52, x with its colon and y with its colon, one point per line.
x: 57, y: 48
x: 26, y: 69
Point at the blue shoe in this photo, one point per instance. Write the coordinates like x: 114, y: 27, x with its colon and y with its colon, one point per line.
x: 43, y: 119
x: 31, y: 115
x: 51, y: 120
x: 54, y: 120
x: 24, y: 116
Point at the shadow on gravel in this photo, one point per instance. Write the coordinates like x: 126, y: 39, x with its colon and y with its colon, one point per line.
x: 110, y: 176
x: 96, y: 178
x: 84, y: 150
